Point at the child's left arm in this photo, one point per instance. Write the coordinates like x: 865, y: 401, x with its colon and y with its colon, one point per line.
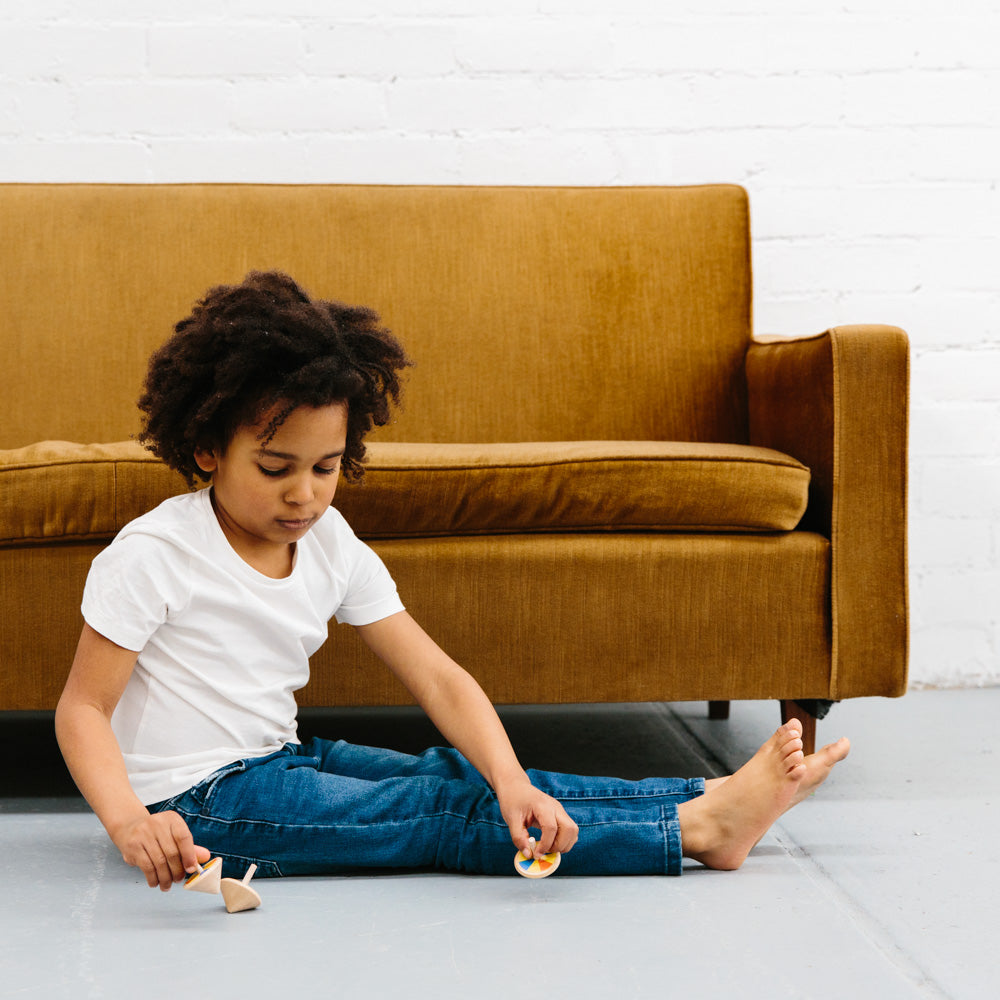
x: 458, y: 706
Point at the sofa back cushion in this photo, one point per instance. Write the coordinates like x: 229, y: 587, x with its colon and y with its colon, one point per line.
x: 533, y: 314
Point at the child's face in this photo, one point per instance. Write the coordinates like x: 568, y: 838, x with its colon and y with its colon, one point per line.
x: 267, y: 497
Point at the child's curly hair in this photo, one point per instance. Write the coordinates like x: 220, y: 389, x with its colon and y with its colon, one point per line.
x: 248, y: 348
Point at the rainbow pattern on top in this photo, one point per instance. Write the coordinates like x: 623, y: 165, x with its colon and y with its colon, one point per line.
x: 537, y: 867
x: 209, y: 869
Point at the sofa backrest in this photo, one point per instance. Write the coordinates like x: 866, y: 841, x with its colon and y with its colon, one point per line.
x: 532, y: 313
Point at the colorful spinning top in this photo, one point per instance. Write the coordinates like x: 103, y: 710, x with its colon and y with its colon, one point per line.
x: 205, y: 879
x: 526, y: 864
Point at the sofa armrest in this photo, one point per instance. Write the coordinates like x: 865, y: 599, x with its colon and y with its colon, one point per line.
x: 838, y: 402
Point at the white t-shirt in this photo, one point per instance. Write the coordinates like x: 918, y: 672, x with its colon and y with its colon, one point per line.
x: 222, y: 648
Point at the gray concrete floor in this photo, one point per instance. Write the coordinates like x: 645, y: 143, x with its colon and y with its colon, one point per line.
x: 885, y: 884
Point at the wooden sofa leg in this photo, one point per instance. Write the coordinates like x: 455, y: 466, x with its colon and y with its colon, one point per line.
x: 793, y: 710
x: 718, y: 710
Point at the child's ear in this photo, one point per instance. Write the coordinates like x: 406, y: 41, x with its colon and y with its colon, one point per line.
x: 206, y: 460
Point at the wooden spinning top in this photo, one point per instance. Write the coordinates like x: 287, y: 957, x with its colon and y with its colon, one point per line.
x: 526, y: 864
x: 238, y: 895
x: 206, y: 879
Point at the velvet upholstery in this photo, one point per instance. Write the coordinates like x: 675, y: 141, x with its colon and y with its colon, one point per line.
x: 413, y: 490
x: 600, y: 487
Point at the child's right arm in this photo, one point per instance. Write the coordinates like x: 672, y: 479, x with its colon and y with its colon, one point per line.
x: 161, y: 844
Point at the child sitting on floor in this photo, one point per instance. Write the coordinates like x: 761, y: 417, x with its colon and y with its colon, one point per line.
x: 178, y: 719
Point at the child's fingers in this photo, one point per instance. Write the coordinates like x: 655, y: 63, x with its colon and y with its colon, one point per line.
x: 536, y: 809
x: 162, y: 847
x: 559, y: 832
x: 188, y: 854
x: 147, y: 866
x: 519, y: 835
x: 140, y: 846
x: 156, y: 867
x: 550, y: 838
x: 569, y: 832
x: 523, y: 840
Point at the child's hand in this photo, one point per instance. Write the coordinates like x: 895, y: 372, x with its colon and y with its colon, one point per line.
x: 161, y: 846
x: 524, y: 806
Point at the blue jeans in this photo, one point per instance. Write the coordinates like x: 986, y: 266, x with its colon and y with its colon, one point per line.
x: 332, y: 808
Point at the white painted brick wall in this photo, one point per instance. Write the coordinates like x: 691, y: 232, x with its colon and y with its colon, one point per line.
x: 867, y: 132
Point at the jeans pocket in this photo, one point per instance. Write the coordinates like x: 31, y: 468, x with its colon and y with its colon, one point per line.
x: 205, y: 790
x: 166, y: 804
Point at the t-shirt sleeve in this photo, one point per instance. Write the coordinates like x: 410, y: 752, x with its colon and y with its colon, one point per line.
x: 132, y: 588
x: 371, y: 593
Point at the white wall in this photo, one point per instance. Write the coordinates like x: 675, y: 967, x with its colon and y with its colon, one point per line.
x: 866, y: 133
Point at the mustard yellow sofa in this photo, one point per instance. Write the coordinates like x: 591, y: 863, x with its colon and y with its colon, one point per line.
x: 600, y: 487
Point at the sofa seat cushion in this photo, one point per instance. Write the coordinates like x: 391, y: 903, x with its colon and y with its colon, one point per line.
x: 56, y: 489
x: 420, y: 490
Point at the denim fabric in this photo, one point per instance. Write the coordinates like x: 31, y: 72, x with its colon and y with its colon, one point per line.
x: 332, y: 808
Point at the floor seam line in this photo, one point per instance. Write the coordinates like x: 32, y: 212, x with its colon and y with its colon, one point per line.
x: 871, y: 929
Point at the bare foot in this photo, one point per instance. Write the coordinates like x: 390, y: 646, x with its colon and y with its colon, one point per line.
x: 720, y: 827
x: 818, y: 768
